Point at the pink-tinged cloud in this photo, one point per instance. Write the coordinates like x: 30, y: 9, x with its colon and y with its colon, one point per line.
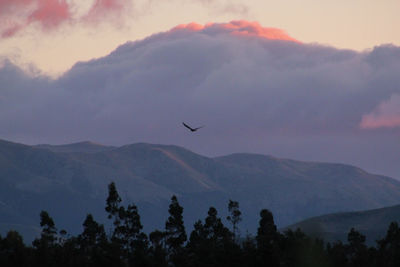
x: 102, y: 8
x: 7, y: 5
x: 20, y: 14
x: 241, y: 28
x: 15, y: 15
x: 385, y: 115
x: 50, y: 13
x: 11, y: 30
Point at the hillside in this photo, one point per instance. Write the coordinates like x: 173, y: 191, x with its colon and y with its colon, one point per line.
x: 72, y: 182
x: 85, y: 147
x: 372, y: 223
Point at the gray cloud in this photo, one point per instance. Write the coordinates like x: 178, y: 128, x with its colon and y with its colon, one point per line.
x: 253, y: 94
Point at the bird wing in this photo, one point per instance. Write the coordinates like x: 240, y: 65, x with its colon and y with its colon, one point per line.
x: 187, y: 126
x: 198, y: 128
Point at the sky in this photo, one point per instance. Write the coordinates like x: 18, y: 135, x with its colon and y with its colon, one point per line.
x: 55, y: 34
x: 308, y: 80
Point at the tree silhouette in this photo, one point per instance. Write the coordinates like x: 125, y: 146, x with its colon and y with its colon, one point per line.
x: 389, y: 247
x: 357, y: 250
x: 92, y: 243
x: 175, y: 233
x: 128, y: 241
x: 234, y: 217
x: 46, y: 245
x: 157, y: 251
x: 267, y: 239
x: 13, y: 251
x: 113, y: 207
x: 210, y: 243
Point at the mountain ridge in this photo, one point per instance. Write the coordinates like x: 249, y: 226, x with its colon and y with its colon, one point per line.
x: 84, y: 146
x: 335, y: 226
x: 32, y: 177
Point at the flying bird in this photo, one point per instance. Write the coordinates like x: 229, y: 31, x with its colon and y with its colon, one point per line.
x: 190, y: 128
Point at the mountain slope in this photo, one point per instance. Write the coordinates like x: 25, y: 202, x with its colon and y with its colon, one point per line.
x: 372, y: 223
x: 70, y: 183
x: 295, y: 189
x: 86, y: 147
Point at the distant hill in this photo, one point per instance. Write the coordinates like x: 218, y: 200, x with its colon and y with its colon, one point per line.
x: 371, y: 223
x: 84, y: 147
x: 70, y: 181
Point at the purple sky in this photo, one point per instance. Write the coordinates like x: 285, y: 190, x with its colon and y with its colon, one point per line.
x: 277, y: 97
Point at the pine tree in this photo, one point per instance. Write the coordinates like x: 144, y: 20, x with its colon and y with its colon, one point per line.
x: 13, y: 251
x: 127, y: 238
x: 337, y: 254
x: 215, y: 229
x: 157, y: 251
x: 357, y: 252
x: 175, y: 233
x: 234, y: 217
x: 113, y: 202
x: 49, y: 230
x: 93, y: 233
x: 211, y: 243
x: 46, y: 245
x: 389, y: 247
x: 135, y: 240
x: 268, y: 239
x: 92, y: 242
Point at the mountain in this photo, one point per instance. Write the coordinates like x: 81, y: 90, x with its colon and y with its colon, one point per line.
x: 70, y: 181
x: 86, y: 147
x: 332, y: 227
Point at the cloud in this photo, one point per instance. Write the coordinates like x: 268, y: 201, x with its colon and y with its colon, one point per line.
x: 104, y: 8
x: 16, y: 15
x: 386, y: 114
x: 51, y: 14
x: 238, y: 27
x: 225, y: 6
x: 254, y: 88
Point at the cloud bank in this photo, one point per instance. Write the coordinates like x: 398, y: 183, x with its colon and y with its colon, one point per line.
x: 386, y: 114
x: 256, y: 89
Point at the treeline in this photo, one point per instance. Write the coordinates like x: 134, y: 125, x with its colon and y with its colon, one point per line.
x: 211, y: 243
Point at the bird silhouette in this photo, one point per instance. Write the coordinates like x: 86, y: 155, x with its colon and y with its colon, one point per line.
x: 190, y: 128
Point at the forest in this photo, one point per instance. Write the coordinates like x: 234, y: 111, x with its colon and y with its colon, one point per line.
x: 210, y: 243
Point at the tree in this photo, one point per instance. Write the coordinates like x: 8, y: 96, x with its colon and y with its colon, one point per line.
x: 357, y: 251
x: 215, y: 229
x: 297, y: 249
x: 268, y: 239
x: 46, y: 245
x: 337, y: 254
x: 389, y: 247
x: 13, y: 251
x: 234, y: 217
x: 249, y: 251
x: 135, y: 240
x: 158, y: 253
x: 175, y: 233
x: 92, y: 242
x: 113, y: 202
x: 211, y: 243
x: 49, y: 230
x: 127, y: 238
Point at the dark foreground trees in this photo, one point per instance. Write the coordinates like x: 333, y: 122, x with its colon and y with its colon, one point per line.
x: 210, y: 243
